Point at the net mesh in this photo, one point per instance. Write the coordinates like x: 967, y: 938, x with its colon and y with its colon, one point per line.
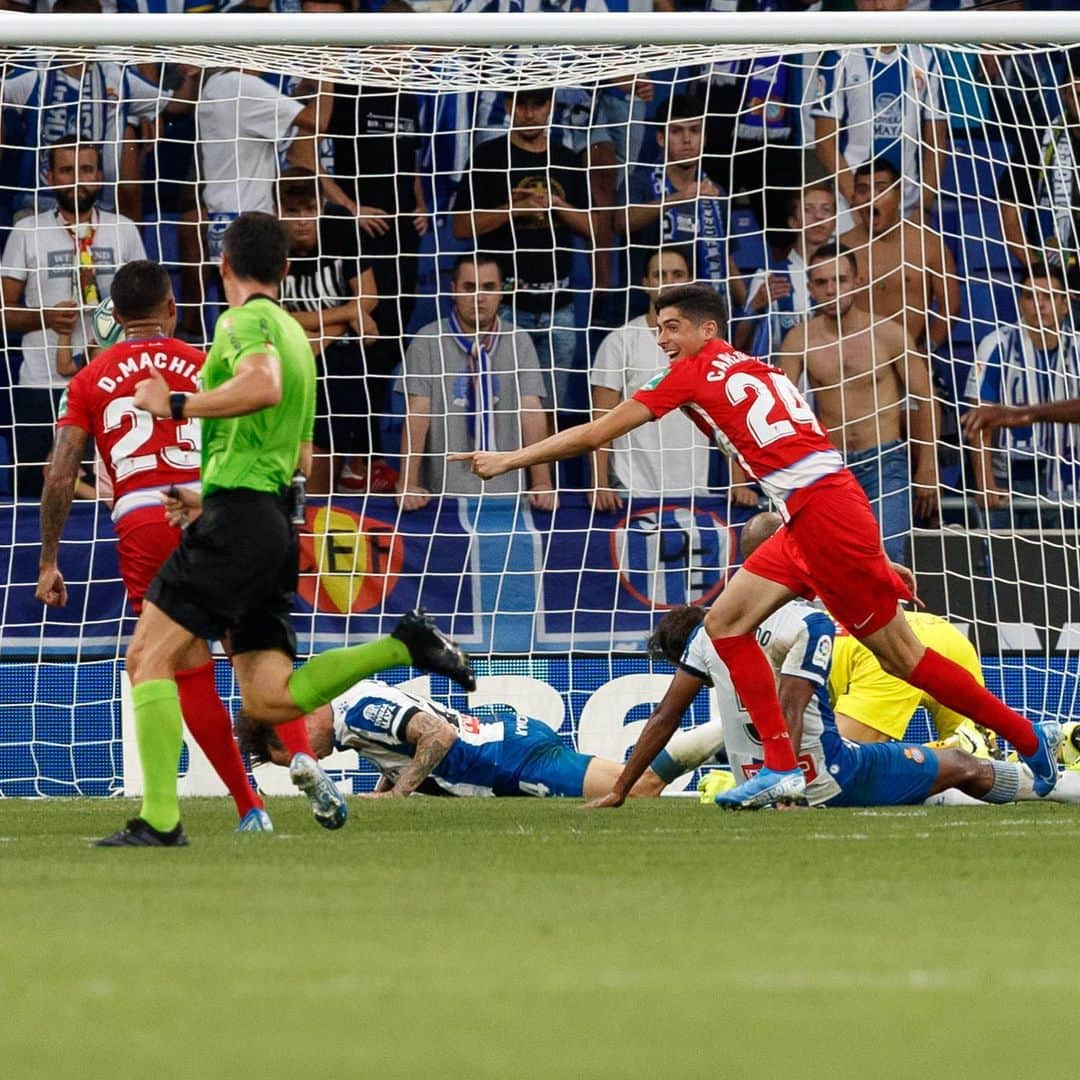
x: 586, y: 177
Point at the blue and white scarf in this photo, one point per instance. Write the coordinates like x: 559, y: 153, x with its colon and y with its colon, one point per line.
x: 700, y: 222
x: 482, y: 383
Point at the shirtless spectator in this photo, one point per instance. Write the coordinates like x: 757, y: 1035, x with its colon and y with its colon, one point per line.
x: 909, y: 273
x: 862, y: 372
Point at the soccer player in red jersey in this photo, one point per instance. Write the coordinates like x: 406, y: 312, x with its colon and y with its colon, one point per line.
x: 143, y: 456
x: 830, y: 546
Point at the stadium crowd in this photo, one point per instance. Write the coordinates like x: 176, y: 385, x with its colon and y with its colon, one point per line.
x: 896, y: 227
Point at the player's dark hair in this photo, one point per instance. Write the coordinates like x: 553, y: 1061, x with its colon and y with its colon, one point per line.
x: 1042, y: 272
x: 255, y: 739
x: 878, y: 165
x: 697, y: 303
x: 77, y: 7
x: 479, y: 258
x: 834, y: 250
x: 72, y: 143
x: 257, y: 248
x: 139, y: 289
x: 670, y: 635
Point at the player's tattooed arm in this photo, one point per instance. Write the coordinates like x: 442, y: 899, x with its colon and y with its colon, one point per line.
x: 432, y: 737
x: 59, y: 489
x: 56, y: 496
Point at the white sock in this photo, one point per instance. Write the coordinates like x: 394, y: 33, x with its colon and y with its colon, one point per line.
x: 688, y: 748
x: 953, y: 797
x: 1067, y: 789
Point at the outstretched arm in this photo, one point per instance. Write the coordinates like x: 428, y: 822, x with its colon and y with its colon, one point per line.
x: 989, y: 417
x: 55, y: 504
x: 657, y: 732
x: 572, y: 442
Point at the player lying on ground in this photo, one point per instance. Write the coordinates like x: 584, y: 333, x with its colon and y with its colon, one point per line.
x: 830, y: 546
x: 798, y: 641
x: 143, y: 456
x: 418, y: 745
x: 233, y: 576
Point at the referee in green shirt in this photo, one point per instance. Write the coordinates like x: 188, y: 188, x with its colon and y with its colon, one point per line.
x: 233, y: 576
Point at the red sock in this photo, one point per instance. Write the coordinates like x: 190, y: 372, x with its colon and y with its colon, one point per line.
x: 958, y: 690
x: 294, y: 737
x: 755, y: 683
x: 208, y: 721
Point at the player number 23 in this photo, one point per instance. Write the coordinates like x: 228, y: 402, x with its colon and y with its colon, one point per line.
x: 183, y: 454
x: 766, y: 395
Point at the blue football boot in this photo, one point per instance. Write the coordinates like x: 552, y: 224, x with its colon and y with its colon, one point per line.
x: 1043, y: 763
x: 327, y: 803
x: 255, y: 820
x: 766, y: 788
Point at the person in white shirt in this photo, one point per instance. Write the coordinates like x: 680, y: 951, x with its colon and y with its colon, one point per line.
x: 883, y: 101
x: 667, y: 457
x: 245, y: 127
x: 56, y: 267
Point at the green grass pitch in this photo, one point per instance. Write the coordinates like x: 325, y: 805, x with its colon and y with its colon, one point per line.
x: 520, y: 938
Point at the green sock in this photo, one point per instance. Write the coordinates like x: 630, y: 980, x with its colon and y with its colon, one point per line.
x: 331, y: 673
x: 159, y: 731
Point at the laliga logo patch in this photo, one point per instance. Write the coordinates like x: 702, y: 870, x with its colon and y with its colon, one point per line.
x: 347, y: 563
x: 670, y: 555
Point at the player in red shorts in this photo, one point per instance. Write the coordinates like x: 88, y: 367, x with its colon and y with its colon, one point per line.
x: 143, y: 457
x: 830, y: 546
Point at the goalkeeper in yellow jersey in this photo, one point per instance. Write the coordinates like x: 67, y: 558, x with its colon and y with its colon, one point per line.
x: 872, y: 706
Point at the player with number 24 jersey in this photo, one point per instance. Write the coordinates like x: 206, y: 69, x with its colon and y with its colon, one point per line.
x: 142, y: 455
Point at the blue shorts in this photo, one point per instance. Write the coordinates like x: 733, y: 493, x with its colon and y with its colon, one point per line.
x: 883, y: 774
x: 539, y: 764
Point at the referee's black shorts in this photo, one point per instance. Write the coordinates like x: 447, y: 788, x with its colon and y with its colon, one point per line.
x: 233, y: 577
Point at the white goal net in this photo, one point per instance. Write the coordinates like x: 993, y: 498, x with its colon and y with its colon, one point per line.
x: 477, y: 231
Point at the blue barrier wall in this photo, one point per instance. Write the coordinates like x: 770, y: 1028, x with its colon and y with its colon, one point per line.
x: 60, y: 724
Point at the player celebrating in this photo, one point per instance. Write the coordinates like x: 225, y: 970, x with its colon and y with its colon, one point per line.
x: 830, y: 546
x: 234, y: 573
x: 142, y: 456
x: 418, y: 745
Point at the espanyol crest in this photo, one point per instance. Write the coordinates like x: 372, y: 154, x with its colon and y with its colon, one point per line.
x: 669, y: 555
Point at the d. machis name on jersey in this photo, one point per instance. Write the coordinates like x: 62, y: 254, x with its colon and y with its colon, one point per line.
x: 130, y: 366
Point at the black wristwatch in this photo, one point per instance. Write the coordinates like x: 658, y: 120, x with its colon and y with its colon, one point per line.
x: 176, y: 405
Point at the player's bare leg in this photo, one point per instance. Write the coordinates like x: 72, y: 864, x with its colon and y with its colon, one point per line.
x: 157, y: 647
x: 747, y: 600
x: 902, y: 654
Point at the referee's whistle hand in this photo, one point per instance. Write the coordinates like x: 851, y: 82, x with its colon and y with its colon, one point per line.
x: 152, y: 394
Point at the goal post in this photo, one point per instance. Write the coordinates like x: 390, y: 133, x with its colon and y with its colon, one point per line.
x: 715, y: 147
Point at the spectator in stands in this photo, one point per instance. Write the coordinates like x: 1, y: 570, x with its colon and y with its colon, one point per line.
x: 882, y: 101
x: 1044, y: 188
x: 1033, y: 363
x: 908, y: 273
x: 102, y: 103
x: 653, y: 459
x: 57, y: 266
x: 243, y: 123
x: 331, y: 292
x: 523, y: 197
x: 777, y: 298
x: 753, y: 136
x: 863, y: 371
x: 471, y: 381
x: 674, y: 202
x: 376, y: 134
